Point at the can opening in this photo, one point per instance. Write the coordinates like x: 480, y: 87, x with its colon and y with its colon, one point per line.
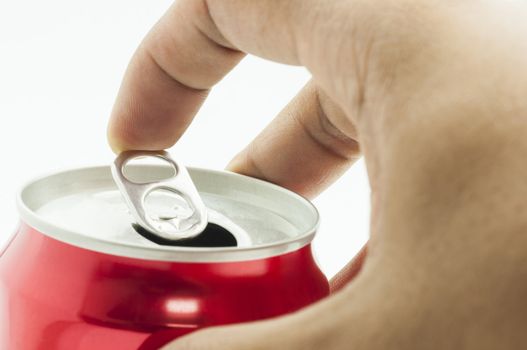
x: 213, y: 236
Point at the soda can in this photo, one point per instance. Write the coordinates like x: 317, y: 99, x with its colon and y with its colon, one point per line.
x: 78, y: 274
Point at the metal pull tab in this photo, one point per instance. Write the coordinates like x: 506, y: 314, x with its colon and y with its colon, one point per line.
x: 186, y: 219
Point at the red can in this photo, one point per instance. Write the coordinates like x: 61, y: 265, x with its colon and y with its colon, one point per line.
x: 77, y: 276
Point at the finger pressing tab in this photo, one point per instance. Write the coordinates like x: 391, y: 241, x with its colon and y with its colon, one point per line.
x: 306, y: 147
x: 181, y: 58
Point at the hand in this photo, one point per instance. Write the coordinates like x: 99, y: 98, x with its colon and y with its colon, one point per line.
x: 433, y: 92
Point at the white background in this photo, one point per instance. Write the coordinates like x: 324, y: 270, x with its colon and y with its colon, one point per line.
x: 61, y: 63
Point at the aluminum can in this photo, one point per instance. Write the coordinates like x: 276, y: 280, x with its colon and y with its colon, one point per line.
x: 77, y: 276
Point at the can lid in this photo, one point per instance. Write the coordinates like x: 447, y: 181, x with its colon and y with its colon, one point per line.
x: 83, y: 207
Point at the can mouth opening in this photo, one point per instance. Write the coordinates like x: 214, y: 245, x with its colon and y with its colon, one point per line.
x: 213, y: 236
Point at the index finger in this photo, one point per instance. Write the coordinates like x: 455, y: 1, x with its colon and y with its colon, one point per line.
x: 183, y: 56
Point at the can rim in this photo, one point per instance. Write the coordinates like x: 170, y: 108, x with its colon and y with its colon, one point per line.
x: 168, y: 253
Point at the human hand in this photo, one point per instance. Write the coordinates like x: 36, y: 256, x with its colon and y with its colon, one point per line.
x: 421, y: 86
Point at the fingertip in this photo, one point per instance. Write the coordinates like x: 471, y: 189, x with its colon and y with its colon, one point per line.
x: 125, y: 136
x: 115, y: 147
x: 118, y: 145
x: 113, y: 140
x: 242, y: 164
x: 236, y: 165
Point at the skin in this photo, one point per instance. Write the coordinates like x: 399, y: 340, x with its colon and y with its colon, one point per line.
x: 432, y: 93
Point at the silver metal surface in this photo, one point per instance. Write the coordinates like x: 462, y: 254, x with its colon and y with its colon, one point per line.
x: 184, y: 220
x: 83, y: 207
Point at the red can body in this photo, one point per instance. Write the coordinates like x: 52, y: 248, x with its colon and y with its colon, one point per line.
x: 58, y: 296
x: 77, y: 276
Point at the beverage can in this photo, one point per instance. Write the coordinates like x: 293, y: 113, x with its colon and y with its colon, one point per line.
x: 78, y: 274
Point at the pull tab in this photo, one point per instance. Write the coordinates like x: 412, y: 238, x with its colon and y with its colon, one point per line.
x: 186, y: 219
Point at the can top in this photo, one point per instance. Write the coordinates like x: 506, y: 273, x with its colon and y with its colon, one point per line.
x: 83, y: 207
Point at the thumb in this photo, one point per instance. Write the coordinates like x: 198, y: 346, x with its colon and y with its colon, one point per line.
x: 220, y: 338
x: 278, y: 333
